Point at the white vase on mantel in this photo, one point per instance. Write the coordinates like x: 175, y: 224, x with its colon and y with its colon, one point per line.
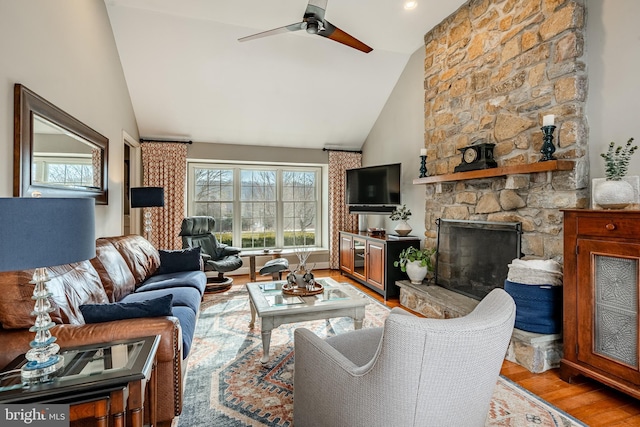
x: 403, y: 229
x: 416, y: 272
x: 613, y: 194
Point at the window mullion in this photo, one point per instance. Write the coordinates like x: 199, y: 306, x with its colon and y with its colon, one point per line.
x: 279, y: 210
x: 237, y: 206
x: 318, y: 200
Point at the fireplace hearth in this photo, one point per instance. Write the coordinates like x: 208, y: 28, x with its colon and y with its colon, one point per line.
x: 473, y: 256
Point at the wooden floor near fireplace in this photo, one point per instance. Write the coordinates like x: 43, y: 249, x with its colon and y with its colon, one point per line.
x: 589, y: 401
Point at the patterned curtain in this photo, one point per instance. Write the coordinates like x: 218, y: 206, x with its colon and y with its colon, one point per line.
x: 339, y: 216
x: 165, y: 165
x: 96, y: 164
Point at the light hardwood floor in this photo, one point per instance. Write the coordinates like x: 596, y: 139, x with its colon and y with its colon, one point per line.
x: 587, y: 400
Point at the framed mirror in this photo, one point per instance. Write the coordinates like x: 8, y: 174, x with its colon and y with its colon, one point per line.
x: 55, y: 154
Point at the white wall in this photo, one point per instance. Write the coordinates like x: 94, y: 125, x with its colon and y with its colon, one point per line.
x: 64, y: 51
x: 613, y: 66
x: 397, y: 137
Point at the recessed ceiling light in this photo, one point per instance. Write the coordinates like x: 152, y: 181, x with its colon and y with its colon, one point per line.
x: 410, y: 4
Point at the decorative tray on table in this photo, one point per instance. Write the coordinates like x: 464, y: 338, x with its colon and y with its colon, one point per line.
x: 289, y: 289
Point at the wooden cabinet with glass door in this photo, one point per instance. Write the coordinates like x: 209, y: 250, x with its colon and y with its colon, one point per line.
x: 369, y: 260
x: 346, y: 251
x: 375, y: 263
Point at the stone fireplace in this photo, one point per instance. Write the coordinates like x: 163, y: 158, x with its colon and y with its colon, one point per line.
x: 493, y: 69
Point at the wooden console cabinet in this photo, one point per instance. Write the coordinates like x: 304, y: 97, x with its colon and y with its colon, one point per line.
x: 601, y: 290
x: 369, y: 260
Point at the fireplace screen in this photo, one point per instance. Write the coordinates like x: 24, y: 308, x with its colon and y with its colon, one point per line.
x: 473, y: 257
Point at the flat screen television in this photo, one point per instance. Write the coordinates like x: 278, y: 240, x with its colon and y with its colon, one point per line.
x: 373, y: 188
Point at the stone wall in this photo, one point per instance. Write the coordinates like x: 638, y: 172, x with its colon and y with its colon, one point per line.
x: 492, y: 70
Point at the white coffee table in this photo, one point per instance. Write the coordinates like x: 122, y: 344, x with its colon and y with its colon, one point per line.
x: 274, y: 308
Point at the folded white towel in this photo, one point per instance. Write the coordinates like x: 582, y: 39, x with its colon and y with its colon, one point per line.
x: 538, y: 264
x: 530, y: 276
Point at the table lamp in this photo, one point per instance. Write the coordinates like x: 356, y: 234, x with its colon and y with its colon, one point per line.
x: 147, y: 197
x: 38, y: 233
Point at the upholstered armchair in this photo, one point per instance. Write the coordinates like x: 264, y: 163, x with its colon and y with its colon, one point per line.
x: 412, y: 372
x: 217, y: 257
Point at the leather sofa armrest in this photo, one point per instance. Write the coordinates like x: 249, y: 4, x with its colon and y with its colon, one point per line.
x: 167, y: 327
x: 16, y: 341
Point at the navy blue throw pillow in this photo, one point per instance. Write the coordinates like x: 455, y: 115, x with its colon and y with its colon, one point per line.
x: 179, y: 260
x: 97, y: 313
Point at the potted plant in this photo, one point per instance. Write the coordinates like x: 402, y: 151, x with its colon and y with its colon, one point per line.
x: 416, y: 263
x: 402, y: 215
x: 615, y: 192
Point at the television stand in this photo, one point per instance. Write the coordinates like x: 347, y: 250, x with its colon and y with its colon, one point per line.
x: 369, y: 260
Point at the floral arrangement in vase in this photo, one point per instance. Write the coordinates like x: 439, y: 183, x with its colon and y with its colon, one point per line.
x: 616, y: 192
x: 402, y: 214
x: 616, y: 162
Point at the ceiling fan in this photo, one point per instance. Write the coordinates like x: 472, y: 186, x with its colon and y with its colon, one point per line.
x: 314, y: 23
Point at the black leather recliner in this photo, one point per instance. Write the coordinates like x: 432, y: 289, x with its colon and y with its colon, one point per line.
x: 217, y: 257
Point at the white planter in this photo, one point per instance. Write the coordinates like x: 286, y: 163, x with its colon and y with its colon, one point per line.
x: 416, y: 272
x: 613, y: 194
x: 403, y: 229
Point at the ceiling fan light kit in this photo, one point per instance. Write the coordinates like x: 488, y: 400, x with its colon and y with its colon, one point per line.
x: 313, y: 22
x: 312, y: 27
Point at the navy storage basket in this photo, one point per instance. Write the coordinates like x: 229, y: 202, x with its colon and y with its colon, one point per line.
x: 538, y: 307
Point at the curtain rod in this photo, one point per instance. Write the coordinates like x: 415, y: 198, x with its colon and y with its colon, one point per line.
x: 142, y: 140
x: 342, y: 151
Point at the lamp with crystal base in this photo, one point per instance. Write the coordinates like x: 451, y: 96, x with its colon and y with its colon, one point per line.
x: 147, y: 197
x: 39, y: 233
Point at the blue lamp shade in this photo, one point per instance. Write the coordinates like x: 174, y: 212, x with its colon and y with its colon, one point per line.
x: 147, y: 197
x: 45, y: 232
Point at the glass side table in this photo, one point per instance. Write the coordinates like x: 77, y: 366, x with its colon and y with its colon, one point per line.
x: 107, y: 381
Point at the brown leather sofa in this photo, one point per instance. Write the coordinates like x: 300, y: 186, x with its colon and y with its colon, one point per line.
x: 123, y: 270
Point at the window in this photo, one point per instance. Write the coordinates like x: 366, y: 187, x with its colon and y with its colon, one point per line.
x: 63, y: 171
x: 258, y: 207
x: 213, y: 196
x: 299, y: 207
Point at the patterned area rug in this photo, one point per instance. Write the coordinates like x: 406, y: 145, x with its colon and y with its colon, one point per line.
x: 227, y: 386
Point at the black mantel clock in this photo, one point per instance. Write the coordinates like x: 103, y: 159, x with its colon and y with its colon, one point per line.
x: 477, y: 156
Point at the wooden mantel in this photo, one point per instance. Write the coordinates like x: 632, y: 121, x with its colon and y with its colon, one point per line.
x: 551, y: 165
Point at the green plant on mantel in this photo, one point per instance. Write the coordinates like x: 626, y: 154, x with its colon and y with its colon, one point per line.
x: 411, y: 254
x: 400, y: 214
x: 616, y: 161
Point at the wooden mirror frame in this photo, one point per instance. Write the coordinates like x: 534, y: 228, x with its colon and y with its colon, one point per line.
x: 26, y: 104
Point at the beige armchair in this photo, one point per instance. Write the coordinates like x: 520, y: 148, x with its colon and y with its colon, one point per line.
x: 412, y: 372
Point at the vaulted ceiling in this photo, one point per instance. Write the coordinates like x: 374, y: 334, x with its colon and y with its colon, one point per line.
x: 190, y: 78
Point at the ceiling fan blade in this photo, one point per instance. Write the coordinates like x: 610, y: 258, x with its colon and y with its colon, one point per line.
x: 334, y: 33
x: 316, y: 8
x: 292, y: 27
